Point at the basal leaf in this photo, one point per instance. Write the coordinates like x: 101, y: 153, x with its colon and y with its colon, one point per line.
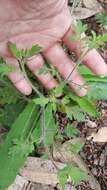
x: 16, y: 147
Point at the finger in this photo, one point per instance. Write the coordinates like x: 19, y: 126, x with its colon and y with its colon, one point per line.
x: 35, y: 64
x: 65, y: 66
x: 17, y: 78
x: 92, y: 59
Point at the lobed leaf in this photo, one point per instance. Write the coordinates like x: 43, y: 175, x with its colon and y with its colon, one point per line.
x: 71, y: 172
x: 85, y: 104
x: 71, y: 131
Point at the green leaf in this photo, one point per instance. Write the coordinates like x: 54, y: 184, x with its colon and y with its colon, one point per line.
x: 17, y: 146
x: 58, y: 91
x: 97, y: 91
x: 44, y: 70
x: 14, y: 50
x: 80, y: 27
x: 76, y: 148
x: 84, y: 70
x: 89, y: 76
x: 73, y: 172
x: 8, y: 93
x: 96, y: 41
x: 23, y: 53
x: 5, y: 69
x: 50, y: 126
x: 85, y: 104
x: 77, y: 175
x: 41, y: 101
x: 101, y: 18
x: 62, y: 177
x: 71, y: 131
x: 10, y: 112
x: 92, y: 78
x: 75, y: 112
x: 37, y: 133
x: 36, y: 49
x: 97, y: 87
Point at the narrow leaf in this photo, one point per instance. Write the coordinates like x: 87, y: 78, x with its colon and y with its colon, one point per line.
x: 41, y: 101
x: 49, y: 126
x: 16, y: 147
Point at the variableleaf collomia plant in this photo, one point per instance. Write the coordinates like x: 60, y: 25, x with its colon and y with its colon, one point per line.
x: 33, y: 122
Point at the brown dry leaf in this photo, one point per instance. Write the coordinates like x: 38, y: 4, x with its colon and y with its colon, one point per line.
x: 93, y: 5
x: 87, y: 9
x: 100, y: 136
x: 41, y: 171
x: 19, y: 183
x: 83, y: 13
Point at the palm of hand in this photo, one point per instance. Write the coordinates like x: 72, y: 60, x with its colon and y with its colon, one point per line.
x: 27, y: 29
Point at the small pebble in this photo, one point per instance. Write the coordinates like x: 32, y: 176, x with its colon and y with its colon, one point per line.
x: 94, y: 171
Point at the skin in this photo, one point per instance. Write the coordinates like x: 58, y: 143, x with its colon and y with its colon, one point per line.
x: 47, y: 23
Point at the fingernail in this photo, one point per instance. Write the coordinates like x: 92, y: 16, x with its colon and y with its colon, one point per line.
x: 82, y: 92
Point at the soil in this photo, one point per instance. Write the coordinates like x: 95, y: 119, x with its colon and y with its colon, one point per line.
x: 94, y: 154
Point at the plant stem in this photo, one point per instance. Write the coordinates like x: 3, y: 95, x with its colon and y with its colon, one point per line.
x: 78, y: 63
x: 22, y: 64
x: 43, y: 133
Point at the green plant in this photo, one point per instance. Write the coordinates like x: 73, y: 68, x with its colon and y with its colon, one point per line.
x: 74, y: 4
x: 101, y: 19
x: 71, y: 172
x: 18, y: 144
x: 36, y: 123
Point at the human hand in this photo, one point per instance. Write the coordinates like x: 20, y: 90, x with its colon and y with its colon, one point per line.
x: 46, y: 23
